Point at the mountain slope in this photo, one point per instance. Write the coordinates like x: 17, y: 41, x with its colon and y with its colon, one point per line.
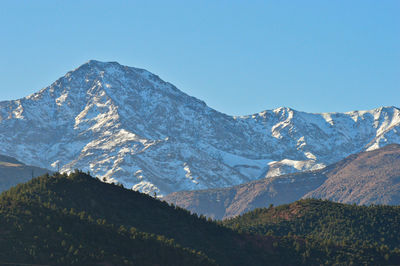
x: 229, y: 202
x: 378, y: 224
x: 365, y: 178
x: 76, y: 219
x: 37, y: 234
x: 370, y: 234
x: 127, y: 125
x: 13, y: 172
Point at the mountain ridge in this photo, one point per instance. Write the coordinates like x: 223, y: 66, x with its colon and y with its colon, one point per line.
x: 126, y: 125
x: 13, y: 172
x: 370, y: 177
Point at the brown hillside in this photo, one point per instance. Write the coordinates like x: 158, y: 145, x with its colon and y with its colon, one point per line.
x: 365, y: 178
x: 368, y: 178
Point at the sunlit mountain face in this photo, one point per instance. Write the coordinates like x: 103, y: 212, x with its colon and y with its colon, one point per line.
x: 126, y: 125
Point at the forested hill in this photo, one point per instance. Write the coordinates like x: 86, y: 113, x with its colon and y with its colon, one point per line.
x: 78, y: 220
x: 329, y: 222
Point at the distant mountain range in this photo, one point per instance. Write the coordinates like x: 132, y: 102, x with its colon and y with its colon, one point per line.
x: 13, y: 172
x: 126, y: 125
x: 371, y: 177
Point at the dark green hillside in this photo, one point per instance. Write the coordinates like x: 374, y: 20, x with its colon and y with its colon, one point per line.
x: 53, y: 237
x: 350, y: 228
x: 79, y: 215
x: 77, y: 220
x: 326, y: 220
x: 35, y: 228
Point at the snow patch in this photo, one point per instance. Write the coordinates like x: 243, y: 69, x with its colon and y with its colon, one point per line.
x: 63, y: 97
x: 146, y: 187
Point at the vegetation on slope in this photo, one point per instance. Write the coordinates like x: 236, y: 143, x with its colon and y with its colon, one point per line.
x: 368, y: 235
x: 78, y: 220
x: 37, y: 228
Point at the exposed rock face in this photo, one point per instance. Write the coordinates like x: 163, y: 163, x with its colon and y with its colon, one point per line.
x: 13, y: 172
x: 371, y: 177
x: 127, y: 125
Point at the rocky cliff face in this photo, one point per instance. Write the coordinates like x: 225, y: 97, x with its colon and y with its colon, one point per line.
x: 126, y: 125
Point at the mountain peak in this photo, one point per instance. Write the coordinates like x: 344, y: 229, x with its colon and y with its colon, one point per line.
x: 97, y: 62
x: 95, y: 66
x: 105, y: 78
x: 127, y: 125
x: 103, y: 64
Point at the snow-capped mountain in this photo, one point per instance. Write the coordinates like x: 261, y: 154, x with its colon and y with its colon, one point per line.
x: 127, y: 125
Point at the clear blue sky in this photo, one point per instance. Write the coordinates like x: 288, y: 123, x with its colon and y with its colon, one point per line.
x: 240, y: 57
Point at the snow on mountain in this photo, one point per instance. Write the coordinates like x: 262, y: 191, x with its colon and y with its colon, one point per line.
x: 368, y: 177
x: 126, y: 125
